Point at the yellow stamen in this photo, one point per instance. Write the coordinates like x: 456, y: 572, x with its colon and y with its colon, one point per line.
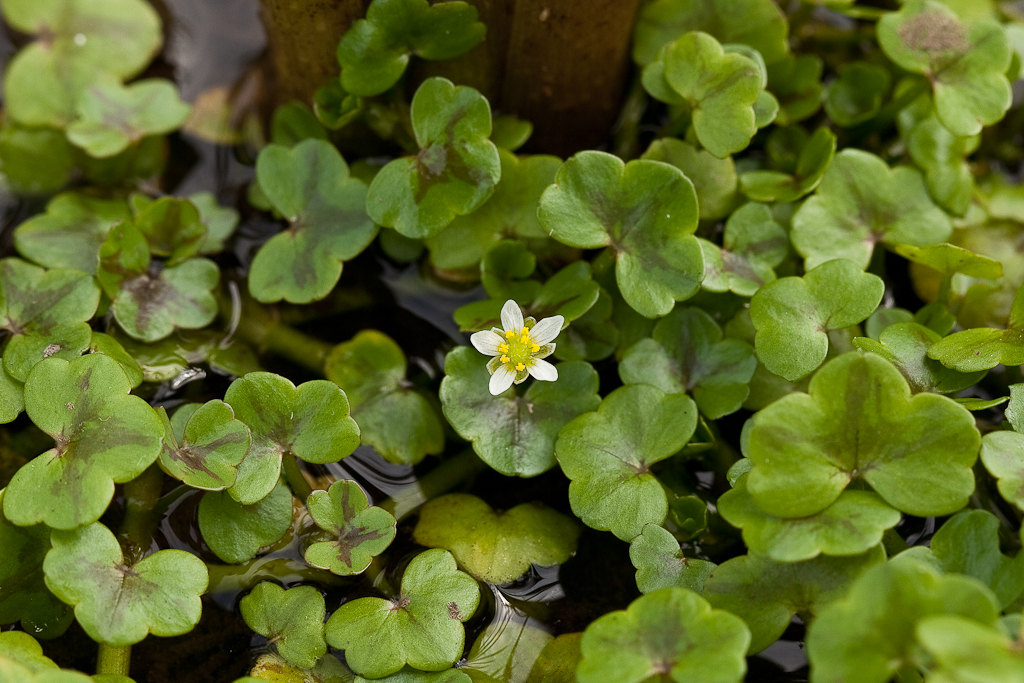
x: 504, y: 359
x: 524, y: 331
x: 535, y: 348
x: 503, y: 348
x: 509, y: 334
x: 520, y: 367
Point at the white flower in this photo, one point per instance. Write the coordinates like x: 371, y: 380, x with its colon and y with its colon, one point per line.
x: 519, y: 348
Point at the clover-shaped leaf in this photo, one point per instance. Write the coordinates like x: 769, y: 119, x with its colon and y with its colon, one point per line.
x: 793, y: 315
x: 375, y: 51
x: 45, y: 313
x: 672, y: 634
x: 1003, y: 456
x: 869, y: 633
x: 660, y: 562
x: 861, y: 202
x: 983, y: 348
x: 22, y: 648
x: 172, y: 227
x: 236, y: 532
x: 505, y: 269
x: 120, y: 604
x: 752, y: 245
x: 906, y: 345
x: 454, y: 172
x: 220, y: 221
x: 861, y: 421
x: 310, y: 421
x: 796, y: 81
x: 964, y: 650
x: 514, y: 434
x: 592, y: 336
x: 309, y: 184
x: 964, y: 63
x: 774, y: 186
x: 203, y: 445
x: 511, y: 212
x: 496, y: 547
x: 398, y: 421
x: 112, y: 116
x: 607, y: 456
x: 77, y: 42
x: 856, y: 95
x: 103, y: 436
x: 292, y: 619
x: 36, y: 161
x: 767, y: 594
x: 358, y: 531
x: 968, y: 543
x: 421, y: 626
x: 688, y: 354
x: 714, y: 179
x: 71, y: 231
x: 645, y: 210
x: 851, y: 525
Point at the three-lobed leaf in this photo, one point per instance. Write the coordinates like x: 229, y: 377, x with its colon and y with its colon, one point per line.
x: 660, y: 562
x: 292, y: 619
x: 358, y: 530
x: 69, y: 234
x: 236, y: 532
x: 203, y: 445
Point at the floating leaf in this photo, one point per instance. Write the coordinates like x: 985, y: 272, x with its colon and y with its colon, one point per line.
x: 220, y: 221
x: 796, y: 81
x: 1003, y: 456
x: 949, y: 259
x: 510, y: 133
x: 673, y: 633
x: 965, y: 64
x: 310, y: 421
x: 25, y: 650
x: 172, y: 227
x: 714, y: 179
x: 35, y: 161
x: 861, y: 202
x: 505, y: 269
x: 906, y: 345
x: 966, y: 651
x: 558, y: 660
x: 496, y: 547
x: 752, y: 245
x: 514, y: 434
x: 398, y: 421
x: 15, y: 672
x: 292, y: 619
x: 856, y: 95
x: 310, y: 186
x: 294, y: 122
x: 592, y: 336
x: 660, y: 562
x: 983, y: 348
x: 688, y: 354
x: 645, y: 210
x: 968, y: 543
x: 454, y: 172
x: 203, y: 445
x: 851, y: 525
x: 421, y: 627
x: 360, y: 531
x: 70, y: 233
x: 376, y: 50
x: 814, y: 160
x: 768, y: 594
x: 236, y: 532
x: 607, y: 456
x: 103, y: 436
x: 120, y: 604
x: 793, y: 315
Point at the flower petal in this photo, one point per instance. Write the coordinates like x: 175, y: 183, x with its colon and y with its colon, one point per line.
x: 487, y: 342
x: 547, y: 329
x: 501, y: 380
x: 543, y: 370
x: 511, y: 316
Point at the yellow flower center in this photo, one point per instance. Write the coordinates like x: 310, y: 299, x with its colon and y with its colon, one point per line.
x: 518, y: 351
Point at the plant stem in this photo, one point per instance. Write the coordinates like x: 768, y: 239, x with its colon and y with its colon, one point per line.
x: 264, y: 331
x: 113, y: 660
x: 444, y: 477
x: 296, y: 479
x: 142, y: 495
x: 235, y: 578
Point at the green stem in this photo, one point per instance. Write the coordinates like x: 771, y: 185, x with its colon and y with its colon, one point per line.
x: 296, y: 480
x: 113, y: 660
x: 444, y: 477
x: 893, y: 542
x: 142, y: 495
x: 627, y: 135
x: 235, y: 578
x: 268, y: 334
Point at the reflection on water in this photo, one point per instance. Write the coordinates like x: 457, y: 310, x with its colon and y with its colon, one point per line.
x: 379, y: 478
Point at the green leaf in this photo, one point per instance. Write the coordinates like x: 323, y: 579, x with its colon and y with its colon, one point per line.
x: 293, y: 122
x: 906, y: 345
x: 12, y: 398
x: 688, y: 354
x: 592, y: 336
x: 167, y: 359
x: 14, y: 672
x: 1003, y: 456
x: 511, y: 212
x: 454, y: 172
x: 505, y: 269
x: 645, y: 210
x: 869, y: 634
x: 714, y: 179
x: 757, y: 23
x: 394, y: 418
x: 673, y: 633
x: 78, y: 41
x: 1015, y: 408
x: 514, y: 434
x: 964, y: 63
x: 814, y: 160
x: 984, y: 348
x: 36, y: 161
x: 310, y: 186
x: 796, y: 81
x: 949, y: 259
x: 856, y: 95
x: 25, y: 650
x: 861, y: 202
x: 752, y: 245
x: 851, y: 525
x: 793, y: 315
x: 660, y: 562
x: 310, y: 421
x: 70, y: 233
x: 861, y: 421
x: 203, y: 445
x: 510, y: 133
x: 359, y: 531
x: 968, y: 543
x: 172, y: 227
x: 103, y: 436
x: 558, y: 660
x: 292, y: 619
x: 767, y: 594
x: 236, y: 532
x: 421, y: 627
x: 375, y: 51
x: 112, y: 116
x: 496, y: 547
x: 220, y: 221
x: 120, y: 604
x: 967, y: 651
x: 607, y: 456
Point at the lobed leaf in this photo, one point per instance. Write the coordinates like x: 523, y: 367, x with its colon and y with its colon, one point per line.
x: 660, y: 562
x: 203, y: 445
x: 292, y: 619
x: 814, y: 160
x: 360, y: 531
x: 714, y: 180
x: 235, y: 532
x: 70, y: 233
